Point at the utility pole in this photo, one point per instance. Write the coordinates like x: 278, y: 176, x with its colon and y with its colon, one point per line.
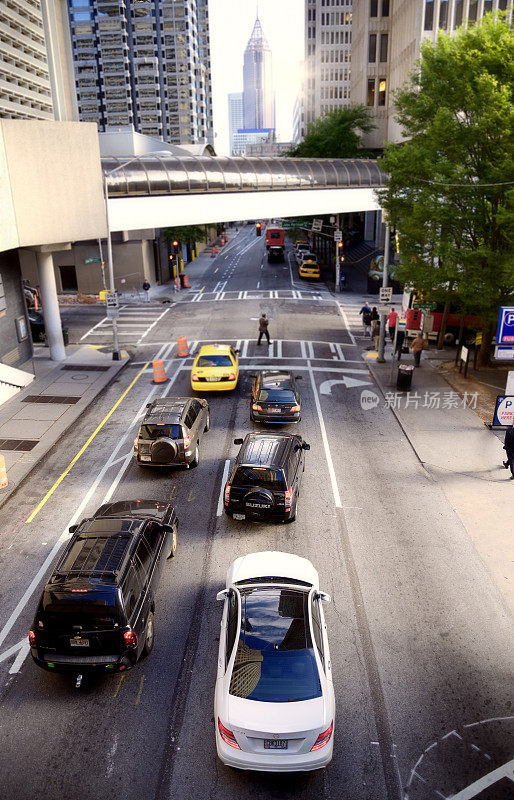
x: 383, y: 317
x: 338, y: 266
x: 115, y: 344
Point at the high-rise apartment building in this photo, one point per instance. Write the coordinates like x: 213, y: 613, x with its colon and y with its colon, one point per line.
x: 36, y: 74
x: 235, y: 120
x: 144, y: 63
x: 328, y: 57
x: 258, y: 95
x: 387, y: 35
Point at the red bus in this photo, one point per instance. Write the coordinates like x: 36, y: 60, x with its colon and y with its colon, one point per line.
x: 275, y: 243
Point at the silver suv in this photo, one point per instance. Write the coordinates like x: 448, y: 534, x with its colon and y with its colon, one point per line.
x: 171, y: 432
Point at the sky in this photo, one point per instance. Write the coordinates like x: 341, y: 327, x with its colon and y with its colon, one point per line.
x: 231, y: 24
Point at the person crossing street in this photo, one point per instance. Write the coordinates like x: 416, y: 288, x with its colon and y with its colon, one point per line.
x: 263, y: 328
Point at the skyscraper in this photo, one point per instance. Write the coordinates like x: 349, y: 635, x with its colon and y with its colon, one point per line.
x: 235, y: 120
x: 145, y: 64
x: 258, y: 96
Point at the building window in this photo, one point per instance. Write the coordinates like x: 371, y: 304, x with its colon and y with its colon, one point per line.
x: 373, y: 9
x: 459, y: 10
x: 473, y: 8
x: 371, y: 91
x: 383, y: 47
x: 443, y: 14
x: 429, y: 15
x: 488, y: 6
x: 381, y: 91
x: 385, y: 8
x: 372, y: 56
x: 502, y: 5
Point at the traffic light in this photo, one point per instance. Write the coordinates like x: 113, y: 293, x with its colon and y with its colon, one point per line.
x: 258, y: 228
x: 175, y: 247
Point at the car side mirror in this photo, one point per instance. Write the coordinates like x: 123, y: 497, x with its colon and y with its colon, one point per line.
x: 306, y: 446
x: 236, y: 350
x: 323, y: 596
x: 148, y: 405
x: 223, y: 595
x: 238, y: 441
x: 72, y: 528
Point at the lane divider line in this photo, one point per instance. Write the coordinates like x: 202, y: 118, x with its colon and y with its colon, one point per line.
x: 324, y: 437
x: 222, y: 489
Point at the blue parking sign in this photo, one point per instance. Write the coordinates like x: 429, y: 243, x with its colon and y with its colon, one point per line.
x: 504, y: 411
x: 505, y: 331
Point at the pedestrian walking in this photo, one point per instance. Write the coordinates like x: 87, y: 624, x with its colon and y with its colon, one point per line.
x: 392, y: 320
x: 509, y: 449
x: 146, y: 288
x: 263, y: 328
x: 416, y: 347
x: 374, y: 314
x: 366, y: 318
x: 375, y: 331
x: 400, y: 338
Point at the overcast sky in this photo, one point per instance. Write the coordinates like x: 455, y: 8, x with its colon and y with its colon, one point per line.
x: 231, y: 24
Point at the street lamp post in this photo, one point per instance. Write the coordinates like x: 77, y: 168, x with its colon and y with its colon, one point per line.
x: 381, y: 341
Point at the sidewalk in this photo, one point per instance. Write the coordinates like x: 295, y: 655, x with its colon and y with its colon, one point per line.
x: 463, y: 457
x: 33, y: 420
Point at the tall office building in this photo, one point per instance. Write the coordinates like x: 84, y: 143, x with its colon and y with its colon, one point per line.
x: 144, y: 63
x: 258, y: 96
x: 36, y: 74
x: 328, y: 47
x: 387, y: 35
x: 235, y: 120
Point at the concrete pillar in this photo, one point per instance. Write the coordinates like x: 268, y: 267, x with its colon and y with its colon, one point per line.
x: 47, y: 285
x: 369, y: 225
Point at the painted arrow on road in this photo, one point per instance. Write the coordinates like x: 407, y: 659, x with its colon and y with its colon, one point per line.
x: 326, y: 386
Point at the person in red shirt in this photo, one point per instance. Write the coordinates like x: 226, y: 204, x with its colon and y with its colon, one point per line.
x: 392, y: 319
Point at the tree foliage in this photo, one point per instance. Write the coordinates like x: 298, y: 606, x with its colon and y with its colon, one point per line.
x: 450, y: 192
x: 338, y: 134
x: 186, y: 233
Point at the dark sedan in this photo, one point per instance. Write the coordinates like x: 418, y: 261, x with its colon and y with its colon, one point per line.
x: 37, y: 327
x: 275, y: 397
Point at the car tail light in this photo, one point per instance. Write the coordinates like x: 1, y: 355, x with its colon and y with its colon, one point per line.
x: 79, y: 591
x: 187, y: 441
x: 288, y: 496
x: 130, y: 639
x: 227, y: 736
x: 136, y: 441
x: 232, y: 376
x: 323, y: 738
x: 256, y: 407
x: 32, y: 638
x: 294, y: 408
x: 195, y: 376
x: 227, y: 493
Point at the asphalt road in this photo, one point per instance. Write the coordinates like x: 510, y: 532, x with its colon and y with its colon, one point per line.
x: 420, y: 639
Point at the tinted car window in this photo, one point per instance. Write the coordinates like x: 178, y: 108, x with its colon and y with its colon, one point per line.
x: 214, y: 361
x: 232, y: 625
x: 130, y: 590
x: 316, y: 628
x: 190, y: 418
x: 275, y: 661
x: 277, y: 396
x: 143, y: 560
x: 156, y: 431
x: 62, y: 610
x: 260, y: 476
x: 152, y: 535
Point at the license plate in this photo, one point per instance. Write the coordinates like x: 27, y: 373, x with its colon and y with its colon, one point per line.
x: 213, y: 379
x: 274, y: 410
x: 145, y: 458
x: 238, y: 516
x: 275, y: 744
x: 77, y: 642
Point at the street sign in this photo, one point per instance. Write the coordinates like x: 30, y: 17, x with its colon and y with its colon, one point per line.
x: 385, y: 294
x: 504, y: 353
x: 504, y: 411
x: 112, y: 312
x: 338, y: 236
x: 505, y: 331
x: 383, y: 310
x: 90, y: 260
x: 478, y: 339
x: 428, y: 323
x: 111, y: 299
x: 317, y: 225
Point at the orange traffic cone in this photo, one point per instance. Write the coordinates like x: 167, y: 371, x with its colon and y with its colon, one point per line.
x: 159, y: 373
x: 182, y: 348
x: 214, y: 252
x: 177, y: 283
x: 3, y: 473
x: 185, y: 281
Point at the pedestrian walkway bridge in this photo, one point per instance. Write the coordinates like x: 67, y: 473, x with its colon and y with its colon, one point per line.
x: 154, y: 191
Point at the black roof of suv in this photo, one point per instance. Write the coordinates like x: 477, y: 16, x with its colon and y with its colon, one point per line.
x: 265, y: 449
x: 166, y: 410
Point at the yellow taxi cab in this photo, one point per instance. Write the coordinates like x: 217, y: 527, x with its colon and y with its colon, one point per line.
x: 308, y: 266
x: 215, y: 368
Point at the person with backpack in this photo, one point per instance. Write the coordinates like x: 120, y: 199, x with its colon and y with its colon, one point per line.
x: 366, y: 318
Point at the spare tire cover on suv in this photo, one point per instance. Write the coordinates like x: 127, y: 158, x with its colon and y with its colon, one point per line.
x: 163, y: 451
x: 258, y: 504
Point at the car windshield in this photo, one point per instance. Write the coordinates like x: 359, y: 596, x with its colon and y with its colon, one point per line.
x: 275, y: 660
x: 157, y: 431
x: 260, y: 476
x: 276, y: 396
x: 214, y: 361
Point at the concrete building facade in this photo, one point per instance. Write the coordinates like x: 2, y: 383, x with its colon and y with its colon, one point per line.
x: 145, y: 64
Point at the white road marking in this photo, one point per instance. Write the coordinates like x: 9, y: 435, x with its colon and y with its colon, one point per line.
x: 339, y: 352
x: 350, y: 383
x: 152, y: 325
x: 328, y: 455
x: 245, y: 348
x: 110, y: 756
x: 20, y: 658
x: 303, y: 350
x: 222, y: 489
x: 345, y: 320
x: 12, y: 650
x: 279, y: 348
x: 270, y: 350
x: 505, y: 771
x: 310, y: 349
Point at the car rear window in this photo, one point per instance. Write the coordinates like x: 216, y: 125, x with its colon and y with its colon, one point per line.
x: 275, y: 660
x: 92, y: 612
x: 260, y: 476
x: 275, y: 235
x: 214, y: 361
x: 277, y: 396
x: 309, y: 256
x: 156, y: 431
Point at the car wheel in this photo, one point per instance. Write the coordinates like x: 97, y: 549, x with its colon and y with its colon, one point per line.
x: 207, y: 423
x: 196, y: 458
x: 149, y: 635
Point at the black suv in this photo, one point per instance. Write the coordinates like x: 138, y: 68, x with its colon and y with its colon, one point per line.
x: 96, y: 612
x: 265, y: 480
x: 275, y: 397
x: 171, y: 432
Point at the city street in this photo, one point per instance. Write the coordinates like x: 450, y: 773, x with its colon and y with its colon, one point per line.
x: 421, y: 641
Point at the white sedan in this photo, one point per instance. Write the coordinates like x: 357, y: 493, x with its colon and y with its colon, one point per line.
x: 274, y: 702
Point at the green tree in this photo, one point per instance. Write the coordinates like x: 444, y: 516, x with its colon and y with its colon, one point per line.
x: 186, y: 233
x: 450, y: 189
x: 338, y: 134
